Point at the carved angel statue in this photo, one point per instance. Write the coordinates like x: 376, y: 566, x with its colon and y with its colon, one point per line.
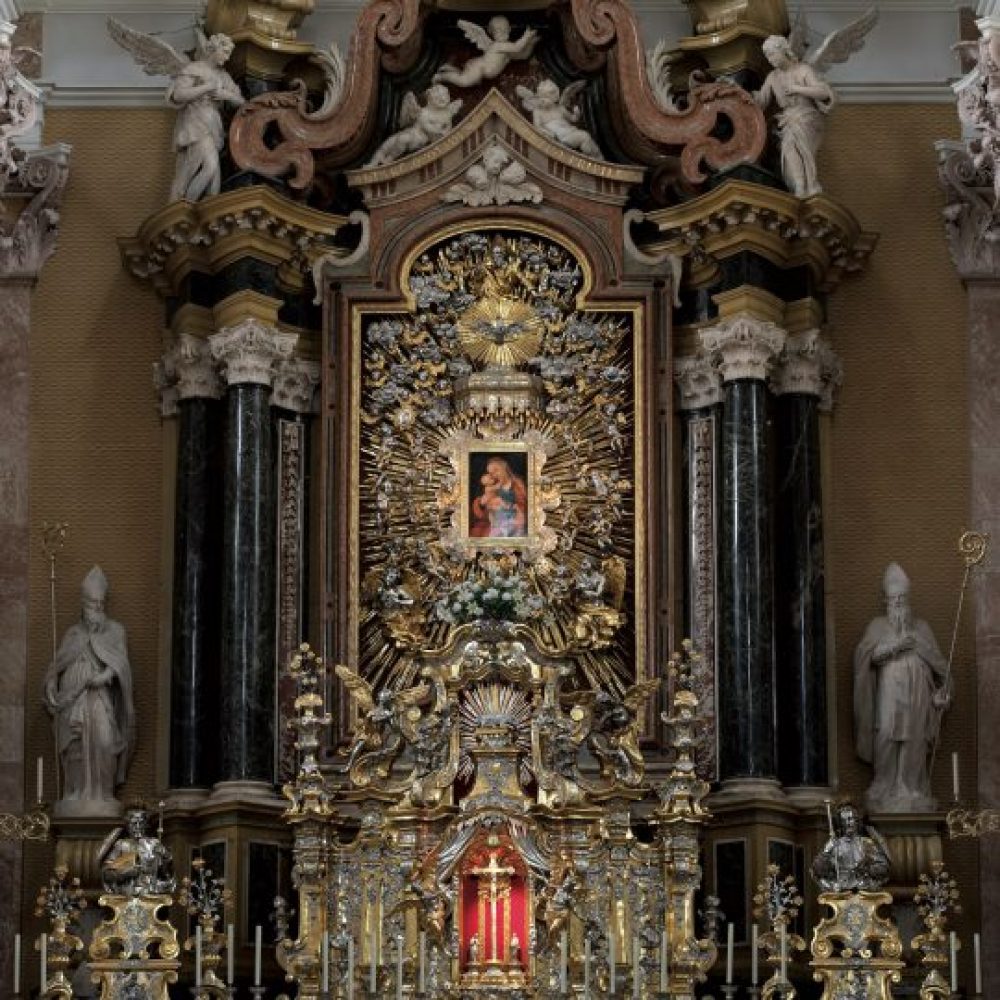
x: 197, y: 89
x: 979, y: 102
x: 20, y: 101
x: 553, y: 113
x: 803, y: 97
x: 386, y: 726
x: 425, y: 895
x: 497, y: 179
x: 498, y: 51
x: 556, y: 900
x: 420, y: 125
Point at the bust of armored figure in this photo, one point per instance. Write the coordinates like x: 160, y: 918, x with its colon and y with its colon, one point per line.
x: 136, y: 864
x: 855, y: 857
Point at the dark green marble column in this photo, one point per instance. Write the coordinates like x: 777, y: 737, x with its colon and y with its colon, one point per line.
x: 250, y: 353
x: 745, y: 348
x: 800, y: 589
x: 194, y: 676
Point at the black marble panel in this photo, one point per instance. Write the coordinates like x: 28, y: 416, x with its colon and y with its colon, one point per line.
x: 248, y: 665
x: 747, y: 746
x: 731, y: 884
x: 799, y: 589
x: 194, y: 676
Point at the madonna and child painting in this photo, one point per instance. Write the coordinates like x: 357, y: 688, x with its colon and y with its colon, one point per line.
x: 498, y: 494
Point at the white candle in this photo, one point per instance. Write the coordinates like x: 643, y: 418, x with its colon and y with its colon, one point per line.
x: 954, y: 777
x: 17, y: 964
x: 230, y: 953
x: 784, y: 954
x: 44, y: 961
x: 611, y: 959
x: 953, y: 947
x: 420, y: 967
x: 40, y: 779
x: 257, y: 943
x: 730, y: 932
x: 350, y: 968
x: 664, y: 963
x: 979, y: 964
x: 636, y: 977
x: 325, y: 986
x: 586, y: 967
x: 373, y: 958
x: 399, y: 968
x: 563, y: 963
x: 753, y: 955
x: 197, y: 955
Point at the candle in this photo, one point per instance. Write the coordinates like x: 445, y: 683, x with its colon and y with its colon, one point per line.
x: 373, y: 958
x: 399, y: 968
x: 256, y: 955
x: 39, y: 779
x: 664, y: 964
x: 197, y: 955
x: 586, y: 966
x: 611, y: 959
x: 326, y: 964
x: 784, y: 954
x: 730, y: 931
x: 979, y: 964
x: 420, y: 967
x: 17, y: 964
x: 953, y: 943
x: 636, y: 978
x: 954, y: 777
x: 563, y: 963
x: 753, y: 955
x: 44, y: 961
x: 230, y: 953
x: 350, y: 968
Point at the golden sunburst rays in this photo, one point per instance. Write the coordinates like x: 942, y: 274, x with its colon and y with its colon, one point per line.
x: 500, y: 332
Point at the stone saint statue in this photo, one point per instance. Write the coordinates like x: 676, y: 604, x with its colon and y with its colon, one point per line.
x: 899, y: 694
x: 803, y: 97
x: 134, y: 863
x: 855, y: 857
x: 197, y: 89
x: 88, y: 693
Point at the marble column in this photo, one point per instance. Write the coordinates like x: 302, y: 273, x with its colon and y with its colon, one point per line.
x: 29, y: 227
x: 973, y: 235
x: 803, y: 384
x: 699, y: 398
x: 194, y: 677
x: 745, y: 348
x: 250, y: 353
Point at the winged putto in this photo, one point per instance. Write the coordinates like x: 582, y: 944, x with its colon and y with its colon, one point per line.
x: 803, y: 97
x: 420, y: 125
x: 197, y: 89
x: 554, y: 113
x: 498, y: 51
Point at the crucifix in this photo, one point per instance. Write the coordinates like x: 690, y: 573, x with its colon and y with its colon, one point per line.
x: 494, y: 871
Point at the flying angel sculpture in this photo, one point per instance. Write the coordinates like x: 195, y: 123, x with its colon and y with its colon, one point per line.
x: 197, y: 89
x: 803, y: 97
x: 498, y: 51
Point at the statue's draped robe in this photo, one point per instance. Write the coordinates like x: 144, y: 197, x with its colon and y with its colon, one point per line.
x: 893, y: 702
x: 94, y: 726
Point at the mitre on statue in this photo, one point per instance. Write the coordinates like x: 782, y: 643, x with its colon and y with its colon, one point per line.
x: 895, y: 582
x: 95, y: 585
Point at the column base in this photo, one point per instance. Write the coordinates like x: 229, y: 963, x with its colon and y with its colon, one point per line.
x: 245, y: 793
x: 736, y: 791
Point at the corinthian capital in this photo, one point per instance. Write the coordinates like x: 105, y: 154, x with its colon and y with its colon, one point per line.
x: 251, y: 351
x: 698, y: 382
x: 295, y: 386
x: 744, y: 346
x: 808, y: 366
x: 196, y: 370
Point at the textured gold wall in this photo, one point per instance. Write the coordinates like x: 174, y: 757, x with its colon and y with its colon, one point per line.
x: 96, y: 438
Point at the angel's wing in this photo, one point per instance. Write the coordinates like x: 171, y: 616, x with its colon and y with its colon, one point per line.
x: 410, y: 110
x: 840, y: 45
x: 414, y: 695
x: 798, y: 37
x: 527, y: 96
x: 476, y: 34
x: 568, y: 97
x: 155, y: 56
x: 357, y: 687
x: 637, y: 695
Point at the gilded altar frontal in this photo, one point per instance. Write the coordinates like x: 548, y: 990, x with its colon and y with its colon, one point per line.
x: 553, y: 556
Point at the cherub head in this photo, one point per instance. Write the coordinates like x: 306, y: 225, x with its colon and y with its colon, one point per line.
x: 499, y: 29
x: 438, y: 96
x: 778, y: 51
x: 494, y: 159
x: 218, y: 49
x: 548, y: 91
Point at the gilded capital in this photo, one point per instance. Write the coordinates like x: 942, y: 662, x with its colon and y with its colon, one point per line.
x: 295, y: 386
x: 699, y: 383
x: 251, y: 351
x: 744, y: 347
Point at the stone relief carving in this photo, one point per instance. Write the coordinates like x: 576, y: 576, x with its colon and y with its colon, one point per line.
x: 553, y: 113
x: 900, y: 693
x: 88, y: 693
x: 803, y: 97
x: 198, y: 88
x: 20, y: 99
x: 420, y: 126
x: 497, y: 179
x: 498, y: 51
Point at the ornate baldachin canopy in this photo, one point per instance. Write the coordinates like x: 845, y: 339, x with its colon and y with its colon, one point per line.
x: 275, y: 134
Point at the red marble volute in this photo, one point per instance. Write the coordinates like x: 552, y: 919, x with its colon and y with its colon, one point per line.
x: 598, y: 33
